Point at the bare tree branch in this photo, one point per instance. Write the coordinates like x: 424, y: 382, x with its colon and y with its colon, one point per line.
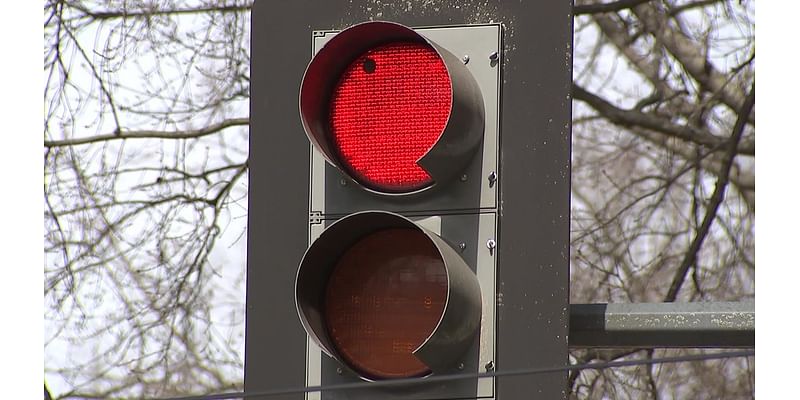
x: 716, y: 198
x: 689, y: 6
x: 633, y: 118
x: 187, y: 134
x: 144, y: 13
x: 690, y: 56
x: 597, y: 8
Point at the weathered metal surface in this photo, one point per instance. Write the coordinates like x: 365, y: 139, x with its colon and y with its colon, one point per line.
x: 714, y: 324
x: 529, y: 190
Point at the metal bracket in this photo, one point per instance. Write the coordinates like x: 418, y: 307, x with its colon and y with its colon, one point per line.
x: 315, y: 217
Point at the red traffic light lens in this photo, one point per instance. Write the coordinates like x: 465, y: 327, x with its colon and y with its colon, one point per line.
x: 389, y: 107
x: 394, y: 111
x: 384, y: 298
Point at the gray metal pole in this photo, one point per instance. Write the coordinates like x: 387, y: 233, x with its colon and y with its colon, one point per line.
x: 714, y: 324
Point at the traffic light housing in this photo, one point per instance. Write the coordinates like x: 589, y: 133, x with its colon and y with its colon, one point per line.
x: 404, y: 132
x: 516, y: 238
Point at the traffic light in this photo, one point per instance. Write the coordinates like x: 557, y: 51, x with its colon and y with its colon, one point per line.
x: 394, y: 111
x: 398, y: 279
x: 478, y: 197
x: 387, y: 297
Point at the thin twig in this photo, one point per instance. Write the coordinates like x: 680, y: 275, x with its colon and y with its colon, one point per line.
x: 606, y: 7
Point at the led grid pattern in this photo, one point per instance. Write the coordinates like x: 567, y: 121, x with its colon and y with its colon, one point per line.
x: 388, y: 109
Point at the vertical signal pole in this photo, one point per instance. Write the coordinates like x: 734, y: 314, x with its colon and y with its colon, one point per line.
x: 533, y: 245
x: 530, y: 247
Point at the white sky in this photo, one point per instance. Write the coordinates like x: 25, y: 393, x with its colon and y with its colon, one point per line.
x: 777, y: 220
x: 21, y: 240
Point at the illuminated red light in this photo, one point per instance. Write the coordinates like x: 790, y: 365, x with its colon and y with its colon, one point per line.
x: 389, y: 108
x: 384, y: 298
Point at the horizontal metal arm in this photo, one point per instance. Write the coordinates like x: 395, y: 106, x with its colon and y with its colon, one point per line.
x: 715, y: 324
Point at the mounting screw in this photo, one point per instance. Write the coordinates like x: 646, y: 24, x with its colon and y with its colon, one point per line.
x: 339, y: 370
x: 492, y: 179
x: 464, y: 178
x: 493, y: 56
x: 462, y: 246
x: 489, y: 366
x: 460, y: 366
x: 465, y: 59
x: 490, y: 244
x: 343, y: 182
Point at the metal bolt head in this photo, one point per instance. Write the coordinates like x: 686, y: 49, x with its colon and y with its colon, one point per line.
x: 492, y: 178
x: 464, y: 178
x: 465, y: 59
x: 460, y: 366
x: 339, y: 370
x: 489, y: 366
x: 493, y: 56
x: 343, y: 182
x: 462, y: 246
x: 490, y: 244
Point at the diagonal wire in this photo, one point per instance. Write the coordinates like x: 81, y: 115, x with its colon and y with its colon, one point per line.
x: 462, y: 376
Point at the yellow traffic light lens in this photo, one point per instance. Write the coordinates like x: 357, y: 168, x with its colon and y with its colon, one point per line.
x: 384, y: 298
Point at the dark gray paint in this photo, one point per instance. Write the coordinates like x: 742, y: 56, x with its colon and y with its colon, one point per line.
x: 278, y: 217
x: 534, y: 181
x: 534, y: 178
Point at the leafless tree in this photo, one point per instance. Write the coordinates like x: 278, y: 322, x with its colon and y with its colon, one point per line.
x: 663, y: 176
x: 145, y: 154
